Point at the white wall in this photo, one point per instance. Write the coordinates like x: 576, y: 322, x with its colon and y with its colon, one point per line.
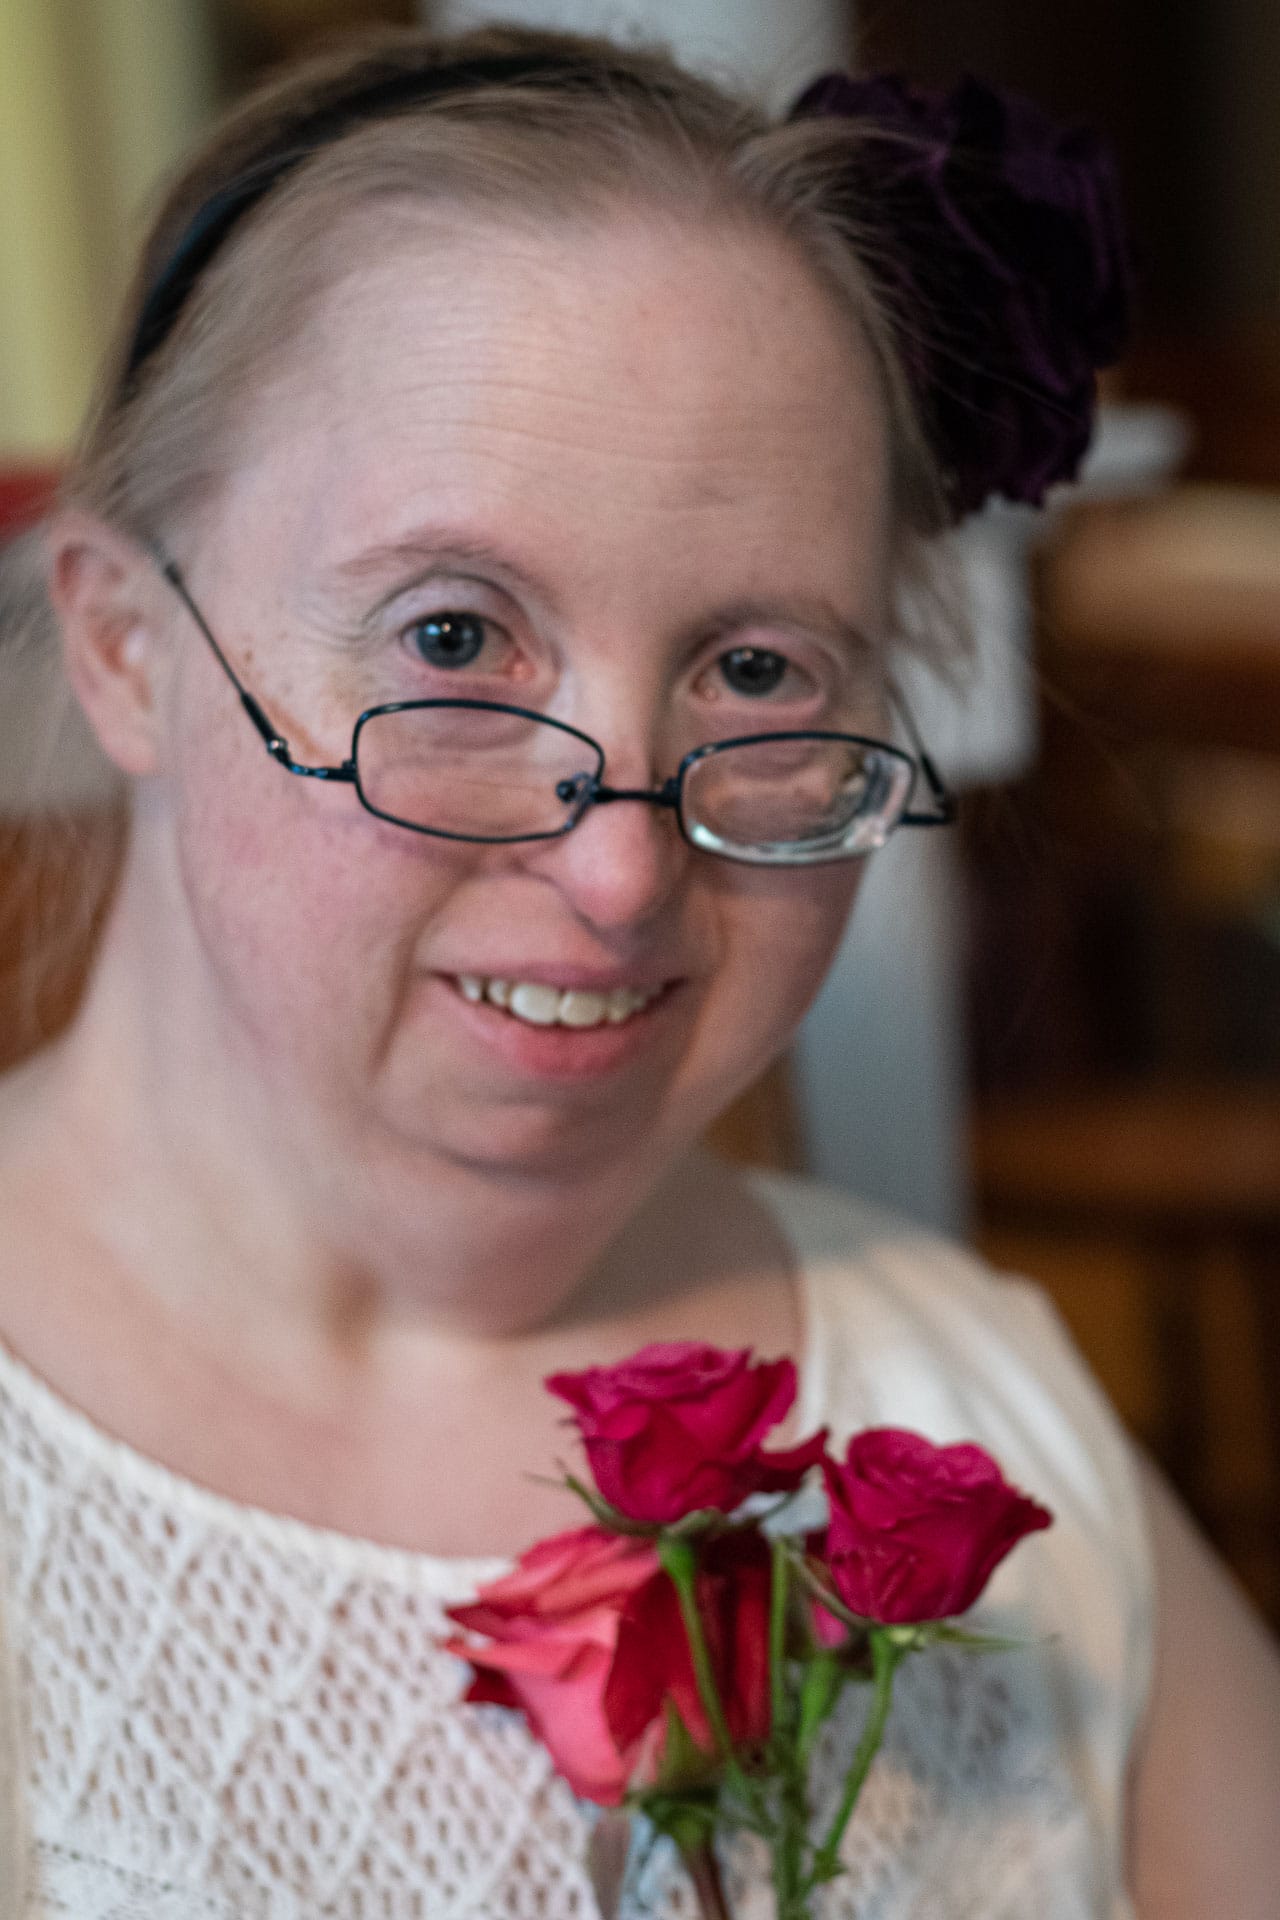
x: 768, y: 46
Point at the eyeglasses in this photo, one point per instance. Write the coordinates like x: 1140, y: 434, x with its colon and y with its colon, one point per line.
x: 493, y: 774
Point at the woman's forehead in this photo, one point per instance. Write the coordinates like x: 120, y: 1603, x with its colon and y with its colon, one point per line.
x: 657, y: 372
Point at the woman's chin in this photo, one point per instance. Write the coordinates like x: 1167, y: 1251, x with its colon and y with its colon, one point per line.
x: 539, y: 1134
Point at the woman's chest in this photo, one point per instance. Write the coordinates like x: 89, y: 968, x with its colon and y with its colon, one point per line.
x: 236, y: 1720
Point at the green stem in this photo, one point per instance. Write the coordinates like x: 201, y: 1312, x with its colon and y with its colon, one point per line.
x: 789, y: 1884
x: 787, y: 1843
x: 824, y: 1678
x: 885, y: 1655
x: 778, y: 1596
x: 680, y: 1563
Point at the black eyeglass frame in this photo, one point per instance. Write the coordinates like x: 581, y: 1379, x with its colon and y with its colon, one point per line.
x: 589, y: 791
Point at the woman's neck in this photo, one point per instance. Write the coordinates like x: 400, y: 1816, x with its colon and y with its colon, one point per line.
x: 395, y: 1426
x: 332, y: 1349
x: 234, y: 1195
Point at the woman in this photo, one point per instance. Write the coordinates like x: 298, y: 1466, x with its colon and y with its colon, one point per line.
x: 528, y: 374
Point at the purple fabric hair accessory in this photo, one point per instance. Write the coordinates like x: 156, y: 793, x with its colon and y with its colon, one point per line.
x: 1007, y: 262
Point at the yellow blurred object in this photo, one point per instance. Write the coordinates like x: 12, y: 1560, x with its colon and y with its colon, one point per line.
x: 97, y: 100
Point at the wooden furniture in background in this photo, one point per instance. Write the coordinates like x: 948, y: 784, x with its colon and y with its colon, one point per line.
x: 761, y: 1128
x: 55, y: 876
x: 1182, y: 1183
x: 1126, y: 1138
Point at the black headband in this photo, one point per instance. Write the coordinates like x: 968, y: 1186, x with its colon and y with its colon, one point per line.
x: 374, y: 99
x: 1009, y: 242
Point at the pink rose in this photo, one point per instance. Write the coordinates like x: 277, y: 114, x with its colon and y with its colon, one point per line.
x: 552, y: 1625
x: 679, y: 1426
x: 585, y: 1637
x: 916, y: 1531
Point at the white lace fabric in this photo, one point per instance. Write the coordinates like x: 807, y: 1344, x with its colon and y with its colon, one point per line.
x: 227, y: 1715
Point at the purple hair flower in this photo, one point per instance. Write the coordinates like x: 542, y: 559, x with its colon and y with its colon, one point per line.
x: 1007, y: 263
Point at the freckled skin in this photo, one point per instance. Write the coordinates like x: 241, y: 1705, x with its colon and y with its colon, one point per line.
x: 271, y: 1213
x: 297, y: 1216
x: 654, y: 423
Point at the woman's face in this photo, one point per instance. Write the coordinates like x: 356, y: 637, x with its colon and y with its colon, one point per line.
x: 616, y: 456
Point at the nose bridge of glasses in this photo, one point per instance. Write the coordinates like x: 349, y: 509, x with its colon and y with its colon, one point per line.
x: 667, y: 795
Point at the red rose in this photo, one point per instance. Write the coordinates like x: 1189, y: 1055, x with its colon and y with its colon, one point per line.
x: 916, y: 1531
x: 678, y: 1426
x: 653, y: 1663
x: 585, y: 1637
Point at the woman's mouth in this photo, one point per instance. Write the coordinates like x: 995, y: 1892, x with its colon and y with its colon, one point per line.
x: 541, y: 1005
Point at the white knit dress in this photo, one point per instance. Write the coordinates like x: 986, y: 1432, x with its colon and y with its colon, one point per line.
x: 212, y: 1713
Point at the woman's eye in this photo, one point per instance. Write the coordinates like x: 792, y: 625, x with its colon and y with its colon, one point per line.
x: 753, y: 670
x: 448, y: 639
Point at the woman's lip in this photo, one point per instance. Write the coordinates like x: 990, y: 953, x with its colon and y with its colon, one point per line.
x: 559, y: 1054
x: 567, y: 979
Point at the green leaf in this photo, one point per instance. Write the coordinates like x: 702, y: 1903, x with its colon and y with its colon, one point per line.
x: 944, y: 1634
x: 603, y: 1513
x: 702, y: 1520
x: 684, y: 1763
x: 687, y: 1820
x: 819, y: 1691
x: 818, y: 1590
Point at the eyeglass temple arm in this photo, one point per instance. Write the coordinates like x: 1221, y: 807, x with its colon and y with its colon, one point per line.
x: 943, y: 800
x: 276, y: 744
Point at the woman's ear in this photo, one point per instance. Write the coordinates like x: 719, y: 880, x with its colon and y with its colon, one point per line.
x: 106, y: 594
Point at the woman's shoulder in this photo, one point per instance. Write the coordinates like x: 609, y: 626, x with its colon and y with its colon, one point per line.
x: 858, y: 1250
x: 904, y: 1327
x: 873, y: 1275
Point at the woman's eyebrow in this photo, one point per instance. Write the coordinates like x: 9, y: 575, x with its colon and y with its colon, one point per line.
x: 395, y: 564
x: 804, y: 611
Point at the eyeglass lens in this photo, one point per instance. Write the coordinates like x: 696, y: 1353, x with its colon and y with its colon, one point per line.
x: 786, y: 797
x: 481, y: 773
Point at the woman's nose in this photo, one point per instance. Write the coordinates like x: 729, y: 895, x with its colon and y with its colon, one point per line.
x: 622, y: 862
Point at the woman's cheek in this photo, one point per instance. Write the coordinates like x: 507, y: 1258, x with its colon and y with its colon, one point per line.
x: 787, y: 930
x: 303, y: 905
x: 797, y: 930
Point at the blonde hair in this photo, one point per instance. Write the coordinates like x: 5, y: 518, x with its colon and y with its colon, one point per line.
x: 583, y: 127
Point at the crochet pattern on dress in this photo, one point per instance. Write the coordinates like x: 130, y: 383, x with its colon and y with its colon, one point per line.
x: 230, y: 1716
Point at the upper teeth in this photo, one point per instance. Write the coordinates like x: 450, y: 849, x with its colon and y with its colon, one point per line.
x: 545, y: 1006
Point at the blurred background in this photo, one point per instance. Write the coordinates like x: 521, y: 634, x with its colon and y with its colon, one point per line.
x: 1058, y: 1033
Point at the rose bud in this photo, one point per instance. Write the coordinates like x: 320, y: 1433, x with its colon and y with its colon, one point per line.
x: 679, y: 1426
x: 916, y: 1530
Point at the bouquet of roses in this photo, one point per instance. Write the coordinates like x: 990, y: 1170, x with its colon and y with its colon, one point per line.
x: 681, y: 1656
